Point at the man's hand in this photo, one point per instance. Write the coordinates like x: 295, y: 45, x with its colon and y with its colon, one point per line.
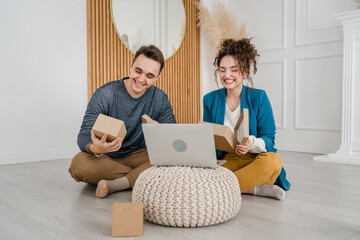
x: 101, y: 146
x: 243, y: 149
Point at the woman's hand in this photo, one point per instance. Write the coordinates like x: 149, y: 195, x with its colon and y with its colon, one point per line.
x: 243, y: 149
x: 101, y: 146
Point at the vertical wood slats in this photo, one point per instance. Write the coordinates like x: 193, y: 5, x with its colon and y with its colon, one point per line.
x: 109, y: 59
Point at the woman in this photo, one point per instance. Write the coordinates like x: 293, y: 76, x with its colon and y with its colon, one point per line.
x: 256, y: 165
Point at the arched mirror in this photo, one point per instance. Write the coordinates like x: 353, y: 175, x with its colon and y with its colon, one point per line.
x: 144, y: 22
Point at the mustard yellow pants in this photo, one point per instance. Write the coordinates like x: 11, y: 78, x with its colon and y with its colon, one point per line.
x: 253, y: 170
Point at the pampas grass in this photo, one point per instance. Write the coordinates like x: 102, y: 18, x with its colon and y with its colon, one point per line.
x: 226, y: 21
x: 208, y: 25
x: 222, y: 25
x: 242, y: 33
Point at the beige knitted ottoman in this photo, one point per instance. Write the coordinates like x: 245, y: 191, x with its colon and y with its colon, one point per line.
x: 187, y: 196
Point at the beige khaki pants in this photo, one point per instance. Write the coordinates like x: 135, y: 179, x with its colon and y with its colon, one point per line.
x: 88, y: 168
x: 253, y: 170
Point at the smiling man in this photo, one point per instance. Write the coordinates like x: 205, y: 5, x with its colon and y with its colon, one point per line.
x: 115, y: 166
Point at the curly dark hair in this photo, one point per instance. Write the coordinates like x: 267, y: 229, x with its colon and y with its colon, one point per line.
x: 244, y: 53
x: 151, y: 52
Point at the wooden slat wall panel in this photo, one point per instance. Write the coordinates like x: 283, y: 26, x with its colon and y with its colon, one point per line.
x: 109, y: 59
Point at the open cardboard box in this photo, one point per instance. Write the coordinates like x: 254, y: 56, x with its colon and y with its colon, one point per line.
x: 147, y: 119
x: 127, y: 219
x: 242, y: 127
x: 114, y: 127
x: 225, y: 139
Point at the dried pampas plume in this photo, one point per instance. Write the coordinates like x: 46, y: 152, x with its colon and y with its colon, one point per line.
x: 226, y: 21
x: 223, y: 26
x: 208, y: 25
x: 242, y: 33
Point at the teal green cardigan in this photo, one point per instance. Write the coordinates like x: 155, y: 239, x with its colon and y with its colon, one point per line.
x: 261, y: 118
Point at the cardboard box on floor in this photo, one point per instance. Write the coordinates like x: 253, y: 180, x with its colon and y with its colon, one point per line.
x: 146, y: 119
x: 225, y: 139
x: 114, y: 127
x: 127, y: 219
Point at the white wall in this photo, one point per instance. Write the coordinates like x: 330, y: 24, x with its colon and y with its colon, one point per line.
x: 43, y: 78
x: 300, y: 66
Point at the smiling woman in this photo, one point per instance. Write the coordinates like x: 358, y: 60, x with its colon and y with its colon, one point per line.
x: 144, y: 22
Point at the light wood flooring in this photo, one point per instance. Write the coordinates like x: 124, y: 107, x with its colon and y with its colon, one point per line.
x: 41, y: 201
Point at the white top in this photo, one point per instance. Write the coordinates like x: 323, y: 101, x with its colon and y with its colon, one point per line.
x: 257, y: 144
x: 231, y: 118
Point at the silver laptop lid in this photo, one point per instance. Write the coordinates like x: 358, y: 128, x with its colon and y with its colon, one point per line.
x: 180, y: 144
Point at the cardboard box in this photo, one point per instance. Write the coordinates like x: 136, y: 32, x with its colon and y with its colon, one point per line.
x: 147, y: 119
x: 127, y: 219
x: 114, y: 127
x: 225, y: 139
x: 242, y: 127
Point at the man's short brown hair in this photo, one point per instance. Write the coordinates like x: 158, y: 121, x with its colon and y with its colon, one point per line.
x: 151, y: 52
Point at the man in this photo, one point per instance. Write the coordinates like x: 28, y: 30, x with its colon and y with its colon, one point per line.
x: 115, y: 166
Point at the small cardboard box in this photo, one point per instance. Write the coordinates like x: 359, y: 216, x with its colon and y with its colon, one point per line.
x: 127, y: 219
x: 225, y: 139
x: 114, y: 127
x: 147, y: 119
x: 242, y: 127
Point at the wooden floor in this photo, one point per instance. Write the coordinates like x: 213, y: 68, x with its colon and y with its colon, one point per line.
x: 41, y: 201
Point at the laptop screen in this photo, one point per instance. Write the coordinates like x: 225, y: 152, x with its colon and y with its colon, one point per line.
x: 180, y: 144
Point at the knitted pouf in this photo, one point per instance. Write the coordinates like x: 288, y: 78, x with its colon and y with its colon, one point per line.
x: 188, y: 196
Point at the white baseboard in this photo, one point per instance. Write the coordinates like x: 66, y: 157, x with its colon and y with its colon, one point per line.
x: 303, y: 148
x: 36, y: 157
x: 353, y: 159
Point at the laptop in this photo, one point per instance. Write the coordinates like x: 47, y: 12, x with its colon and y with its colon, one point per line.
x: 181, y: 145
